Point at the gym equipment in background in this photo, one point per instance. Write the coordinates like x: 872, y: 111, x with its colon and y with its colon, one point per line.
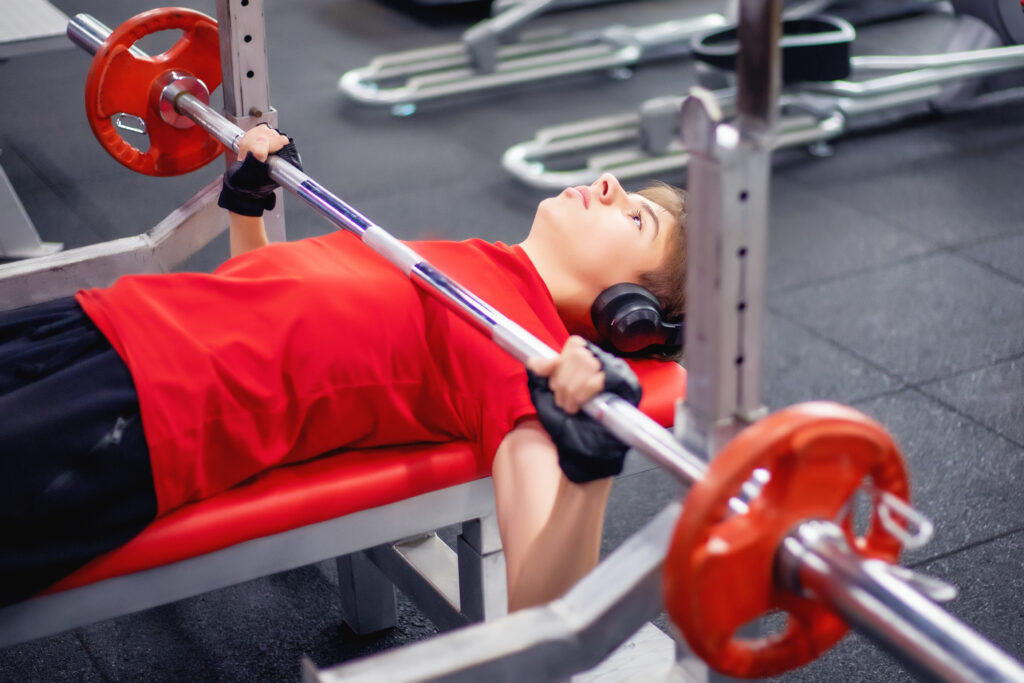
x: 775, y: 469
x: 497, y: 53
x: 873, y: 90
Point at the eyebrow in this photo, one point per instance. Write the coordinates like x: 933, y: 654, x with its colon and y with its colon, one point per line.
x: 654, y: 218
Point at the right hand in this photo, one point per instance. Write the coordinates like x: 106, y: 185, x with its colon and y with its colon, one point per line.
x: 261, y: 142
x: 248, y: 188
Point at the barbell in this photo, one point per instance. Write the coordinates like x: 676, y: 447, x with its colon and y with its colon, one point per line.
x: 766, y: 527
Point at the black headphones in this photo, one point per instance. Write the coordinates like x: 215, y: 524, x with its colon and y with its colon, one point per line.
x: 629, y: 320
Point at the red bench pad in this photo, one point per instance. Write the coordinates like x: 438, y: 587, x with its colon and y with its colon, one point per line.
x: 328, y: 487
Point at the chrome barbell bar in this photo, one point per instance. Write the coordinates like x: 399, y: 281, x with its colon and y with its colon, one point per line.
x: 814, y: 561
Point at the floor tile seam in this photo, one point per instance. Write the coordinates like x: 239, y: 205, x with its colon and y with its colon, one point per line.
x: 903, y: 381
x: 93, y: 660
x: 959, y: 413
x: 426, y: 115
x: 960, y: 253
x: 40, y: 173
x: 981, y: 241
x: 388, y: 191
x: 906, y: 229
x: 868, y: 210
x: 908, y: 382
x: 868, y: 398
x: 44, y: 178
x: 849, y: 274
x: 844, y: 200
x: 922, y: 121
x: 966, y: 547
x: 920, y: 384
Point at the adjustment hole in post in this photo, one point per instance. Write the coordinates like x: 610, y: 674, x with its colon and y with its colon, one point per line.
x: 250, y: 74
x: 741, y: 252
x: 744, y: 196
x: 247, y: 39
x: 739, y: 360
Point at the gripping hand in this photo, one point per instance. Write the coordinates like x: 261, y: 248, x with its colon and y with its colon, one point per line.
x: 586, y: 450
x: 248, y: 189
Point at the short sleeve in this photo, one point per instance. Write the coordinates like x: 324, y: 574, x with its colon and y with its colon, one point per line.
x: 506, y: 404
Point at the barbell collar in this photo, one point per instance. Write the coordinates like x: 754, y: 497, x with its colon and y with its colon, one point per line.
x: 830, y: 571
x: 815, y: 561
x: 626, y: 422
x: 172, y: 86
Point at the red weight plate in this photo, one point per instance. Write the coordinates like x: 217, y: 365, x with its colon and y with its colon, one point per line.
x: 719, y: 570
x: 120, y: 82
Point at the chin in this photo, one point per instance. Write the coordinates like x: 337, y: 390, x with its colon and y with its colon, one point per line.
x: 548, y: 208
x: 550, y: 219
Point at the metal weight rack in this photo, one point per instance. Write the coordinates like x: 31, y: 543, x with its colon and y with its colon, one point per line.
x: 723, y: 339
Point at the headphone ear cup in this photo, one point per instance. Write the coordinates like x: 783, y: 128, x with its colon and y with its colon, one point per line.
x: 628, y: 318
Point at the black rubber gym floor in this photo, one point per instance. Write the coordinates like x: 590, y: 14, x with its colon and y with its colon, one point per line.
x: 895, y: 284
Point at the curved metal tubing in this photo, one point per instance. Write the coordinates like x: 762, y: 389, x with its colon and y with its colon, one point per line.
x: 801, y: 557
x: 449, y: 70
x: 627, y: 158
x: 620, y: 138
x: 816, y: 561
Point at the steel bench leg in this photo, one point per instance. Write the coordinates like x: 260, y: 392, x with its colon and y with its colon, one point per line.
x: 367, y: 596
x: 483, y: 593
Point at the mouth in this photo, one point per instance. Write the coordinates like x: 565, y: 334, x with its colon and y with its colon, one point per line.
x: 584, y: 192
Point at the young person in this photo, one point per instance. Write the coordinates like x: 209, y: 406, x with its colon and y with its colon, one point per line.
x: 124, y: 403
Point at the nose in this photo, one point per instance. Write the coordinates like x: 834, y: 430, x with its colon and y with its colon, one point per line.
x: 607, y: 189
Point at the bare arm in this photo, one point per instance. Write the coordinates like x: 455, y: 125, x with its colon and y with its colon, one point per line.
x: 249, y: 232
x: 550, y: 527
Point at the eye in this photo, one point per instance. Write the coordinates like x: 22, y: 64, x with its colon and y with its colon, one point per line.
x: 637, y: 217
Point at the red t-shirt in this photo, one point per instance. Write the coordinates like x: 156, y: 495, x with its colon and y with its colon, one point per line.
x: 295, y: 349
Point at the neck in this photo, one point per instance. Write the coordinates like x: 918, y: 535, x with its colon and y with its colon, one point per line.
x: 572, y: 298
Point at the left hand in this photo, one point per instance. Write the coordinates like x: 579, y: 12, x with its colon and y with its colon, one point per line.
x: 558, y: 387
x: 574, y: 376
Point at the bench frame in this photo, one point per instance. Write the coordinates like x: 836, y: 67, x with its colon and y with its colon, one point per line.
x: 377, y: 550
x: 370, y: 564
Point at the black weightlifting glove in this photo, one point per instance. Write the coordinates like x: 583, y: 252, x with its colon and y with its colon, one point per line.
x: 586, y: 450
x: 248, y: 189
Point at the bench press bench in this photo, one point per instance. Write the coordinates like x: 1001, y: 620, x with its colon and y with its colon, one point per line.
x: 375, y: 510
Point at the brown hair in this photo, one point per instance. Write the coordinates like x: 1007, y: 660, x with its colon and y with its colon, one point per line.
x: 668, y: 281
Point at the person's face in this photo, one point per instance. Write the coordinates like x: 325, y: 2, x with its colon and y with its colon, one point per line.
x: 605, y: 235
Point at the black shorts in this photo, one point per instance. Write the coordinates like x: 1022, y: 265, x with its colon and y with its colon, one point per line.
x: 75, y: 478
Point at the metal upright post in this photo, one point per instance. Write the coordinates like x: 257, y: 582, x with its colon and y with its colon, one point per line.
x: 729, y: 173
x: 578, y: 629
x: 729, y: 178
x: 246, y: 86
